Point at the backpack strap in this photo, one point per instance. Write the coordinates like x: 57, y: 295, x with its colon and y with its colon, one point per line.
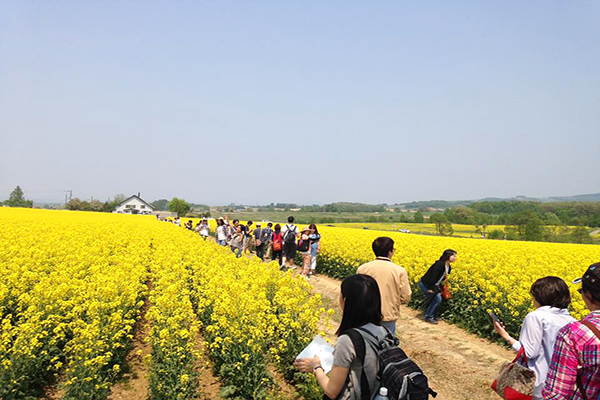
x: 360, y: 348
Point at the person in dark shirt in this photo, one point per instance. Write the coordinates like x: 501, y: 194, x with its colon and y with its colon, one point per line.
x: 431, y: 284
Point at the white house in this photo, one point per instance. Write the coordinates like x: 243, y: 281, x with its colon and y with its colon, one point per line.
x: 134, y: 205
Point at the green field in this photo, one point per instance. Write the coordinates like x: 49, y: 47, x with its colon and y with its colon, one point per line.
x: 426, y: 229
x: 315, y: 217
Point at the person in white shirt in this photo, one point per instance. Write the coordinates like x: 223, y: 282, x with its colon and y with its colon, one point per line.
x: 551, y: 297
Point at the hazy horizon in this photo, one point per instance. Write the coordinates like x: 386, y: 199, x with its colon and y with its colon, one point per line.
x: 306, y: 103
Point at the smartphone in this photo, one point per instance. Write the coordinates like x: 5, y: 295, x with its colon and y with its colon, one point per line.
x: 494, y: 317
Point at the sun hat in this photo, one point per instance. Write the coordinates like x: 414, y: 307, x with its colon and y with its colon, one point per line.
x: 591, y: 279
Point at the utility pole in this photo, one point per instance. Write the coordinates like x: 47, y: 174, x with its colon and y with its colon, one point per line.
x: 70, y: 196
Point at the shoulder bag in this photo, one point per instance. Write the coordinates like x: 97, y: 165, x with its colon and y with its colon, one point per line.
x: 515, y: 382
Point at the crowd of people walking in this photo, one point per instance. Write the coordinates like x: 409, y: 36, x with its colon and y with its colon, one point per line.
x: 272, y: 242
x: 563, y: 354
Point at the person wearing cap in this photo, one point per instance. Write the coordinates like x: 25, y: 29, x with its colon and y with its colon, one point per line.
x: 391, y: 278
x: 551, y: 298
x: 575, y: 369
x: 258, y: 240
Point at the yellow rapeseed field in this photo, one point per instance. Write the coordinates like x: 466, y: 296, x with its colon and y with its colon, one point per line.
x: 73, y: 285
x: 489, y: 274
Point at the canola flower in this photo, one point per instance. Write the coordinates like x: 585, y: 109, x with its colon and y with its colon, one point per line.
x: 490, y: 275
x: 73, y: 285
x: 70, y: 290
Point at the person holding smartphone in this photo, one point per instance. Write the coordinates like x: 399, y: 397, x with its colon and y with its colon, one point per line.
x: 551, y: 298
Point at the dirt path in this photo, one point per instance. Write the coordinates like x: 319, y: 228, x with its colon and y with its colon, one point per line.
x: 135, y: 382
x: 459, y: 365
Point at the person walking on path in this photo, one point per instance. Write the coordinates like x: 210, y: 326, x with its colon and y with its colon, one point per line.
x: 278, y: 245
x: 431, y: 284
x: 315, y: 247
x: 290, y: 234
x: 304, y: 249
x: 247, y: 244
x: 551, y: 299
x: 258, y: 241
x: 360, y: 301
x: 391, y: 278
x: 267, y: 238
x: 575, y: 369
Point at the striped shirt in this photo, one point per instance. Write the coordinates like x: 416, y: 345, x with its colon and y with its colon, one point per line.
x: 577, y: 351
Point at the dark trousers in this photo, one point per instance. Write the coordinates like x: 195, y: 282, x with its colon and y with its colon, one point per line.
x: 260, y: 249
x: 277, y: 255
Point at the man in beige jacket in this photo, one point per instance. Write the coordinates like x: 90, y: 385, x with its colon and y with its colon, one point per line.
x: 392, y: 280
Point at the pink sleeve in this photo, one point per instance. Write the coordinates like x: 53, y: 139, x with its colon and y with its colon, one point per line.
x: 561, y: 381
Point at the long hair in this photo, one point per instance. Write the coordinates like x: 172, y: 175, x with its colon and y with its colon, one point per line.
x: 362, y: 302
x: 313, y: 226
x: 447, y: 254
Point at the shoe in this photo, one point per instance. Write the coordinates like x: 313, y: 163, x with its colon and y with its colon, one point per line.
x: 431, y: 321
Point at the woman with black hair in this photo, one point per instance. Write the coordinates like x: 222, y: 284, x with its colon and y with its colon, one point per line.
x: 551, y: 298
x: 431, y: 284
x: 361, y: 302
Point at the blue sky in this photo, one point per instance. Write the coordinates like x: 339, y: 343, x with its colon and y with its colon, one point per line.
x: 305, y: 102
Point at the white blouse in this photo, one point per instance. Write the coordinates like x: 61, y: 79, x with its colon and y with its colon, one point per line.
x: 537, y: 338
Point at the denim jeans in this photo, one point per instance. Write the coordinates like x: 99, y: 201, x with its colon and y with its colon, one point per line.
x: 432, y: 302
x: 222, y: 242
x: 391, y: 325
x: 239, y: 251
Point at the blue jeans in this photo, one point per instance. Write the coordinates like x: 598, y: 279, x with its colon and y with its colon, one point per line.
x: 391, y: 325
x: 239, y: 251
x: 432, y: 302
x: 222, y: 242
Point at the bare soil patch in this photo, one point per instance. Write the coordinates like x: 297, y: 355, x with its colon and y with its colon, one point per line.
x: 135, y: 382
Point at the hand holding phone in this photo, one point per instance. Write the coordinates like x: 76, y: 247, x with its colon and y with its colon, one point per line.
x: 494, y: 317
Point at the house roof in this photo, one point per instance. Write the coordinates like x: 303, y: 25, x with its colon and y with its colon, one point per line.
x: 139, y: 198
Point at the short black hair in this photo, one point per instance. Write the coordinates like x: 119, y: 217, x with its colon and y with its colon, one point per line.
x: 362, y: 302
x: 551, y: 291
x: 249, y: 223
x: 270, y: 224
x: 290, y: 219
x: 277, y: 227
x: 235, y: 220
x: 382, y: 246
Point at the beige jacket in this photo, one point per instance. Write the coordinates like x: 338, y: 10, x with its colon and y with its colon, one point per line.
x: 393, y: 285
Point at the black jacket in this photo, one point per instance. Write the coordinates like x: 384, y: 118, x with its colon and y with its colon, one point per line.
x: 433, y: 275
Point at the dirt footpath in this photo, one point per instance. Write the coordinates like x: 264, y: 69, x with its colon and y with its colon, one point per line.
x: 459, y: 365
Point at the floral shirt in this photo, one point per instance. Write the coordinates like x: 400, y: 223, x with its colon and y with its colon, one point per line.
x: 576, y: 352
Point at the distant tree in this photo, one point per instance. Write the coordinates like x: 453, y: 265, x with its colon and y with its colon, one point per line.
x: 534, y: 231
x: 179, y: 206
x: 161, y: 204
x: 119, y: 198
x: 496, y: 234
x: 418, y: 218
x: 581, y: 235
x: 17, y: 199
x: 442, y: 224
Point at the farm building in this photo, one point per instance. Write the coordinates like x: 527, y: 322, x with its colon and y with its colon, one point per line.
x: 134, y: 205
